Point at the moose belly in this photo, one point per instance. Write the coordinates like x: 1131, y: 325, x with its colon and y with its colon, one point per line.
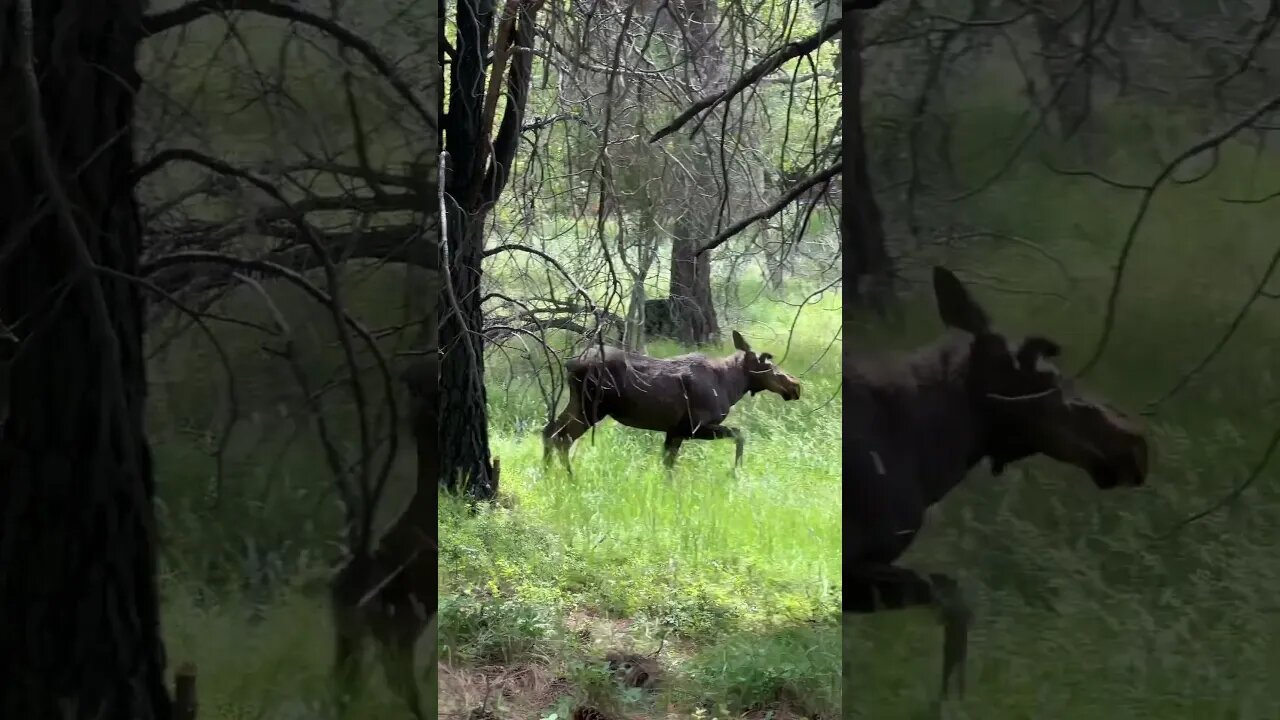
x: 651, y: 418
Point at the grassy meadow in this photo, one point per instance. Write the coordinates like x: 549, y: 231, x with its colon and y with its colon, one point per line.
x: 733, y: 582
x: 1082, y: 610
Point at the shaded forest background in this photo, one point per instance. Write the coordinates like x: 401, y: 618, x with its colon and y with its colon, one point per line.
x: 1103, y: 173
x: 288, y: 183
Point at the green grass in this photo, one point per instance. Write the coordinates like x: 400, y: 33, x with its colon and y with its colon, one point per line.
x: 1080, y: 612
x: 737, y: 578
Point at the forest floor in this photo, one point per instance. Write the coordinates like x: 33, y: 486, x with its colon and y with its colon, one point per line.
x: 724, y: 590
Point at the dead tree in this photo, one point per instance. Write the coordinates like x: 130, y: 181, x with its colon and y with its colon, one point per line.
x: 692, y: 307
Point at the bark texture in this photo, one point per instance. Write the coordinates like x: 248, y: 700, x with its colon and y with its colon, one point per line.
x: 475, y: 180
x: 79, y: 613
x: 863, y: 225
x: 693, y: 311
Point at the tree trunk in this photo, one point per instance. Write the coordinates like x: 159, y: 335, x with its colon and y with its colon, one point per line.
x: 692, y: 309
x: 464, y: 434
x: 1060, y: 57
x: 862, y: 224
x: 775, y: 267
x: 79, y: 608
x: 480, y: 169
x: 464, y: 438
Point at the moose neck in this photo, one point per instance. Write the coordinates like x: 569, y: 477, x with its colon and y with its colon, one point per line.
x: 962, y: 428
x: 733, y: 377
x: 923, y: 418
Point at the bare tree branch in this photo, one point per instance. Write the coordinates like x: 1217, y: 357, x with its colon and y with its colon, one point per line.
x: 1148, y: 193
x: 771, y: 62
x: 157, y: 23
x: 796, y: 191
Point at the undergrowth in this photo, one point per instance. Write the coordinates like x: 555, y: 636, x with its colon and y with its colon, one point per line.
x: 1084, y: 608
x: 731, y: 583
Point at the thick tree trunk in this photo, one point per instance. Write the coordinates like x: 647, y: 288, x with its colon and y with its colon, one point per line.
x: 79, y: 608
x: 871, y: 271
x: 693, y: 311
x: 475, y: 186
x: 464, y: 432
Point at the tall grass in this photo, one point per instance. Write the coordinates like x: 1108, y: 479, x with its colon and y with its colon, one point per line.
x: 1081, y: 612
x: 736, y: 577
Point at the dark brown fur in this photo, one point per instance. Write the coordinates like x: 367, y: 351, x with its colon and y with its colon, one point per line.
x: 687, y: 397
x: 915, y: 426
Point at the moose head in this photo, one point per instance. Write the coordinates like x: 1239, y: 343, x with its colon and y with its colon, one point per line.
x: 763, y: 374
x: 1028, y: 407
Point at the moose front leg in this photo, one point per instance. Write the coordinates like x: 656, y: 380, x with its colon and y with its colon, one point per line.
x: 560, y: 434
x: 887, y: 587
x: 670, y: 449
x: 722, y: 432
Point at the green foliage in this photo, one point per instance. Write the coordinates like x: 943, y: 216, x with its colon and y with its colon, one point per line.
x: 685, y: 563
x: 1081, y: 612
x: 480, y: 629
x: 798, y: 667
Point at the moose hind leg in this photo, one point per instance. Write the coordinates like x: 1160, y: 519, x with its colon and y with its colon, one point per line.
x: 722, y: 432
x: 887, y: 587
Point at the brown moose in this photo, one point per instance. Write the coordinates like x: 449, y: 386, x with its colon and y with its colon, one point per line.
x: 915, y: 426
x: 687, y: 396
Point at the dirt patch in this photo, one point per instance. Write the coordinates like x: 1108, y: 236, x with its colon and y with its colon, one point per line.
x: 507, y: 691
x: 634, y: 671
x: 778, y: 713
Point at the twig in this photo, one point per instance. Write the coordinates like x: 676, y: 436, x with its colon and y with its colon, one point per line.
x: 796, y: 191
x: 1235, y: 493
x: 770, y: 63
x: 156, y: 23
x: 1147, y: 194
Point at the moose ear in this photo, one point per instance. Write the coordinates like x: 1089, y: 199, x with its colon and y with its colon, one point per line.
x: 958, y: 309
x: 740, y: 343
